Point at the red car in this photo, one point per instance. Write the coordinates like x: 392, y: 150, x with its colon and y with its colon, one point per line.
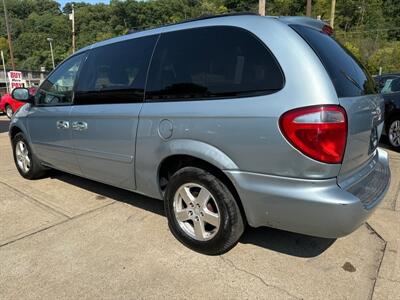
x: 9, y: 105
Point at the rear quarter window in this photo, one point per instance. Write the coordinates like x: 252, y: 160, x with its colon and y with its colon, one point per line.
x: 348, y: 76
x: 210, y: 63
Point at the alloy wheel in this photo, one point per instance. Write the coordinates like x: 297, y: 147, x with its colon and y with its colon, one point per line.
x: 22, y: 154
x: 394, y: 133
x: 196, y: 211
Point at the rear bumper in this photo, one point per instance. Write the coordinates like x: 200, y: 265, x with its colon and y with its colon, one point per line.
x: 313, y: 207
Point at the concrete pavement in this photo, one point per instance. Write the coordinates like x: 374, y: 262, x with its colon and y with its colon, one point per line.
x: 65, y: 237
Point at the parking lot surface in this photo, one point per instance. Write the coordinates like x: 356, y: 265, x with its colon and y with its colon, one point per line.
x: 64, y: 237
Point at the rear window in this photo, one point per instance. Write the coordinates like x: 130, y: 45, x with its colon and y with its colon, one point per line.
x: 211, y: 62
x: 347, y: 74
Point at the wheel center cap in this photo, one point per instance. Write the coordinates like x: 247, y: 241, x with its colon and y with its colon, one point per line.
x: 196, y: 211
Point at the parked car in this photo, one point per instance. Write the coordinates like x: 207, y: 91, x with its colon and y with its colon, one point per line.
x: 9, y: 105
x: 381, y: 79
x: 389, y: 85
x: 231, y: 120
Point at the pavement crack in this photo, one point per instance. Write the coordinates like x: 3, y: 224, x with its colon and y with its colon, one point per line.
x: 396, y: 198
x: 376, y: 232
x: 371, y: 296
x: 36, y: 232
x: 381, y: 259
x: 56, y: 224
x: 391, y: 280
x: 232, y: 264
x: 36, y: 201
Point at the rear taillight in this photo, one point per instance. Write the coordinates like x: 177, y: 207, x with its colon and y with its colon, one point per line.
x: 319, y: 132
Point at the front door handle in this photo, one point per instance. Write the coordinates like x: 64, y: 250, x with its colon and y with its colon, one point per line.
x: 79, y: 126
x: 62, y: 124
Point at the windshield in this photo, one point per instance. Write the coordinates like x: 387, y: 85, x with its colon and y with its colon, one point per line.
x: 390, y: 85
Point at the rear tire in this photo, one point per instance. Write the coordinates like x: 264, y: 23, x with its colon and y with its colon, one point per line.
x: 9, y: 111
x: 26, y: 162
x: 393, y: 133
x: 202, y: 213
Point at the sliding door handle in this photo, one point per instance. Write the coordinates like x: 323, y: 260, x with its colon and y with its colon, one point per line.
x: 62, y: 124
x: 79, y: 126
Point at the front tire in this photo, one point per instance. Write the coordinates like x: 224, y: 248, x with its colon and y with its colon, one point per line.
x: 394, y: 133
x: 9, y: 111
x: 202, y: 213
x: 26, y: 162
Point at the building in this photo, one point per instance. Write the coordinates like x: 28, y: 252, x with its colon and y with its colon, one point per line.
x: 32, y: 78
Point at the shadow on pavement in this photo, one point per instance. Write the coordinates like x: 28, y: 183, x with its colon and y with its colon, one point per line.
x: 4, y: 125
x: 384, y: 143
x: 137, y: 200
x: 293, y: 244
x: 273, y: 239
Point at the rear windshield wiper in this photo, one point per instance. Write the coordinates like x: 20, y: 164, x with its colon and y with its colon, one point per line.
x: 351, y: 79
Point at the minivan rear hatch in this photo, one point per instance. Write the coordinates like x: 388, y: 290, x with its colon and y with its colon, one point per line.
x: 356, y: 93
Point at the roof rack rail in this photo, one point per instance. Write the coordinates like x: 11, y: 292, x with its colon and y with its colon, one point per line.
x: 203, y: 17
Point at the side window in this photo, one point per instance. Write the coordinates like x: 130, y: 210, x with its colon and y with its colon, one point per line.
x: 57, y: 89
x: 211, y: 62
x: 116, y: 73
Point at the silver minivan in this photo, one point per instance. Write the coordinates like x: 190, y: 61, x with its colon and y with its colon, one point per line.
x: 231, y: 120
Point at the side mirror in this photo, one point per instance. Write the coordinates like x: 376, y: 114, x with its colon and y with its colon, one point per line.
x: 21, y: 94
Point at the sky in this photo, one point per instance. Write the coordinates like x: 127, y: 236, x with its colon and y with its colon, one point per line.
x: 62, y: 2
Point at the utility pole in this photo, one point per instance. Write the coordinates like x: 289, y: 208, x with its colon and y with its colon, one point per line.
x: 51, y: 50
x: 72, y: 18
x: 261, y: 7
x: 333, y: 6
x: 5, y: 72
x: 9, y: 36
x: 309, y: 6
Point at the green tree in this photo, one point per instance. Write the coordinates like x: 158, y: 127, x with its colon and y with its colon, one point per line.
x: 364, y: 26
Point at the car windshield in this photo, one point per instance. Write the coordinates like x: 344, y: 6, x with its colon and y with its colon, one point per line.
x: 390, y: 85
